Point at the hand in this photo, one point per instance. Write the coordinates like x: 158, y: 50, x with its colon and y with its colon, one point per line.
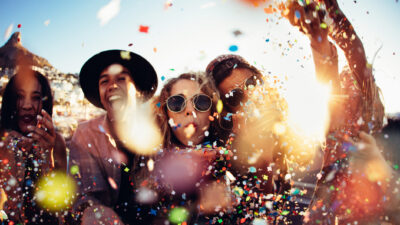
x: 99, y: 214
x: 369, y: 160
x: 309, y: 20
x: 44, y: 135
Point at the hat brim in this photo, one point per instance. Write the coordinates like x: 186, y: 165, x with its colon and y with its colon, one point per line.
x: 142, y: 73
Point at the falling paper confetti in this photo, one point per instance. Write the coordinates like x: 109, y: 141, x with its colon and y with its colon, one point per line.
x: 46, y: 23
x: 144, y: 29
x: 178, y: 215
x: 208, y: 5
x: 233, y: 48
x: 8, y: 31
x: 237, y: 33
x: 109, y: 11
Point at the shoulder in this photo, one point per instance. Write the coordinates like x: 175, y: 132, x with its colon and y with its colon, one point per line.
x: 88, y: 133
x: 89, y: 128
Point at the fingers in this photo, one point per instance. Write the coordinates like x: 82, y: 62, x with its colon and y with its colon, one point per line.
x: 44, y: 138
x: 367, y: 138
x: 46, y: 122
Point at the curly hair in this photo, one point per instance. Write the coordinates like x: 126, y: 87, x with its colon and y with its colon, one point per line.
x: 207, y: 86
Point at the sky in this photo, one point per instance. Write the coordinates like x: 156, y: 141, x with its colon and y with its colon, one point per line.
x: 186, y: 35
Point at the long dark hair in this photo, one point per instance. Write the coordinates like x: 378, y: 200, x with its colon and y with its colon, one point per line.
x: 9, y: 108
x: 207, y: 86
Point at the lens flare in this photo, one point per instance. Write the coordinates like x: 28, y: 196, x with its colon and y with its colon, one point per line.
x: 55, y: 191
x: 308, y: 108
x: 178, y: 215
x: 137, y: 129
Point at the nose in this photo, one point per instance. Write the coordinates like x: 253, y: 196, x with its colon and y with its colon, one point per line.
x: 189, y: 108
x: 112, y: 85
x: 27, y: 104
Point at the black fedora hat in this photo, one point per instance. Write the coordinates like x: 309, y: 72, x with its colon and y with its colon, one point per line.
x: 142, y: 73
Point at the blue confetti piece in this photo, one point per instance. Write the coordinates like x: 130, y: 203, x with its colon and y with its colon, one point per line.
x: 347, y: 146
x: 162, y: 78
x: 233, y: 48
x: 153, y: 212
x: 28, y: 182
x: 101, y: 128
x: 252, y: 169
x: 297, y: 14
x: 158, y: 104
x: 267, y: 40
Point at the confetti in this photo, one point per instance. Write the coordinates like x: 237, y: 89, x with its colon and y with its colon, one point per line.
x: 108, y: 12
x: 55, y: 191
x: 74, y: 169
x: 143, y: 29
x: 178, y: 215
x: 220, y: 106
x: 233, y: 48
x: 112, y: 183
x: 297, y: 14
x: 46, y: 23
x: 8, y: 31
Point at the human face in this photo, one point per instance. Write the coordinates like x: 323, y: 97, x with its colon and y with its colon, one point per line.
x: 116, y: 89
x: 190, y: 124
x: 29, y: 101
x: 234, y: 81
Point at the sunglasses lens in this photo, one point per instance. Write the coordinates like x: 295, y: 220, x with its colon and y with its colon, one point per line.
x: 253, y: 81
x: 235, y: 97
x: 176, y: 103
x: 202, y: 102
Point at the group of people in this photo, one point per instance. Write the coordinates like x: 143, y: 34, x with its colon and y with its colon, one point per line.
x: 220, y: 159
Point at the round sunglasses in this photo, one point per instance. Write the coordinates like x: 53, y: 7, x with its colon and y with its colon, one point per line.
x: 177, y: 103
x: 237, y: 95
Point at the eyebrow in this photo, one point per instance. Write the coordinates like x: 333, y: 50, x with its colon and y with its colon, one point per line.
x: 103, y: 75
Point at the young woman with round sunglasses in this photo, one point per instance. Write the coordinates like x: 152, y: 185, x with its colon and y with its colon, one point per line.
x: 186, y: 104
x: 187, y: 115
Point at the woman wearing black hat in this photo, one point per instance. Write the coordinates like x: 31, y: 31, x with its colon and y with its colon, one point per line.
x: 111, y: 80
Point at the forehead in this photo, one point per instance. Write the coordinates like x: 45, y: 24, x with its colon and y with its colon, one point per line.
x: 186, y: 87
x: 114, y: 70
x: 27, y: 83
x: 236, y: 78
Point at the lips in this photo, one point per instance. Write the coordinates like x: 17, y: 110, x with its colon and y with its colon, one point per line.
x: 192, y: 124
x: 27, y: 118
x: 190, y: 129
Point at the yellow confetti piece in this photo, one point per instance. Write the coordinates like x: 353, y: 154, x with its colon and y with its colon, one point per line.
x: 323, y: 25
x: 125, y: 55
x: 220, y: 106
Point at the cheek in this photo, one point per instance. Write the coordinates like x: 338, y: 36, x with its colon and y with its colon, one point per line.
x: 202, y: 118
x: 101, y: 93
x: 176, y: 117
